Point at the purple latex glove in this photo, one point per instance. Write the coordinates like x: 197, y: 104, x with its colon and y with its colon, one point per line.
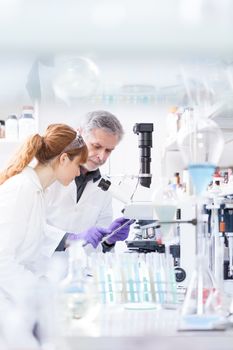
x: 122, y: 234
x: 91, y: 236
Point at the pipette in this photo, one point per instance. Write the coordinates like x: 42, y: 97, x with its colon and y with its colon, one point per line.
x: 128, y: 222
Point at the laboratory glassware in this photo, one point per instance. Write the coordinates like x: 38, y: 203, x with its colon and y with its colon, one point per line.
x: 74, y: 77
x: 128, y: 222
x: 201, y: 144
x: 137, y: 283
x: 165, y: 204
x: 107, y: 274
x: 78, y: 297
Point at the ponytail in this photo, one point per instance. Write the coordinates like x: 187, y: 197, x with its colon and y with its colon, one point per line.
x: 22, y: 158
x: 58, y: 138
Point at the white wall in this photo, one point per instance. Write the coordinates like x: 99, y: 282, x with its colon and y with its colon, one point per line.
x: 113, y: 73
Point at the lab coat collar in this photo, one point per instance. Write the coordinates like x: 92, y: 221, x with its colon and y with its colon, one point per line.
x: 32, y: 175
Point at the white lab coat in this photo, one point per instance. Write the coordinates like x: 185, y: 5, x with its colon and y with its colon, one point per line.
x: 25, y: 252
x: 23, y: 241
x: 94, y: 208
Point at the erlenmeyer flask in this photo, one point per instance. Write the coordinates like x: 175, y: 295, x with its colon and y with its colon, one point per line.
x: 201, y: 144
x: 202, y: 294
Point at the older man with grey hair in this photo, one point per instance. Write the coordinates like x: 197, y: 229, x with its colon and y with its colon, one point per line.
x: 82, y: 207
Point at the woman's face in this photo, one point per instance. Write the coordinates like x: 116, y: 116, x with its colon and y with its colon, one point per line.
x: 66, y: 169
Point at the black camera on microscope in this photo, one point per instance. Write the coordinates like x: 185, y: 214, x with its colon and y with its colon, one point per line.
x: 144, y: 132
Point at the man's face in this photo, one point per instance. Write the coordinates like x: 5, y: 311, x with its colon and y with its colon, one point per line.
x: 100, y: 144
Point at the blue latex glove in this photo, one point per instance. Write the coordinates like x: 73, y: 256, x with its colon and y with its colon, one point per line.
x: 120, y: 235
x: 91, y: 236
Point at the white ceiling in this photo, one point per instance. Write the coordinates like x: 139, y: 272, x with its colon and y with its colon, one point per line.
x: 182, y: 47
x: 118, y: 27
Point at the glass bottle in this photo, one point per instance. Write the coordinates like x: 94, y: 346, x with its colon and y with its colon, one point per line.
x: 73, y: 289
x: 78, y: 296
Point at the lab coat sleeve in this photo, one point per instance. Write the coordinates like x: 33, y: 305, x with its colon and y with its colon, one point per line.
x: 14, y: 221
x: 53, y: 237
x: 104, y: 219
x: 105, y: 216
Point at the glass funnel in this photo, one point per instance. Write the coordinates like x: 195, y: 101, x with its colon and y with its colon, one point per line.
x: 201, y: 143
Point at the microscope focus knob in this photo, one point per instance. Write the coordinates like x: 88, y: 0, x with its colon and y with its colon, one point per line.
x: 180, y: 274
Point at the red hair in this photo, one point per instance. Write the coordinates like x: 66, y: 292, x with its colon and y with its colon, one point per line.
x: 57, y: 138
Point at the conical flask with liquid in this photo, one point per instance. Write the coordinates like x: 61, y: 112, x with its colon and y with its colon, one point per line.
x: 202, y: 296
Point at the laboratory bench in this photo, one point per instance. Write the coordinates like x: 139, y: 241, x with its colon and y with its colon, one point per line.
x: 119, y: 328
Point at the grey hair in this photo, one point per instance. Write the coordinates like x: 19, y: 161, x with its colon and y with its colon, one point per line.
x: 102, y: 120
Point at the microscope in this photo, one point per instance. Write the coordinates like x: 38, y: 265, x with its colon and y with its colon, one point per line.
x: 142, y: 211
x: 147, y: 228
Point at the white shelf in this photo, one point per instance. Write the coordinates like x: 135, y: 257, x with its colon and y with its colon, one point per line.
x: 10, y: 141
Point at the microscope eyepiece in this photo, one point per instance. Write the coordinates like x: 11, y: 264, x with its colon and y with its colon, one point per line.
x: 104, y: 184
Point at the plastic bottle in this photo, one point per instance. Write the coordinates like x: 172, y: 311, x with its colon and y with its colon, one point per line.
x: 27, y: 125
x: 11, y: 128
